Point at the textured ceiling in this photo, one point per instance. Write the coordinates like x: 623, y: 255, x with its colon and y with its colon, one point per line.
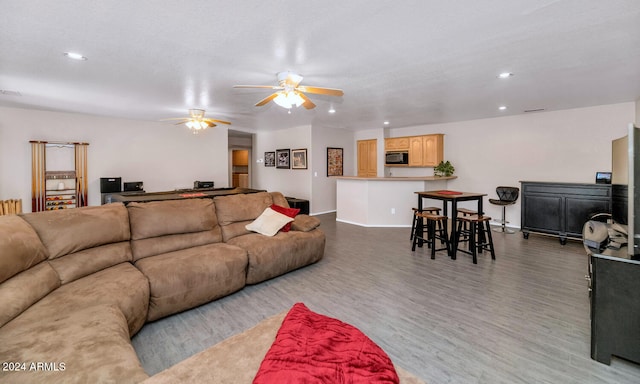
x: 408, y: 62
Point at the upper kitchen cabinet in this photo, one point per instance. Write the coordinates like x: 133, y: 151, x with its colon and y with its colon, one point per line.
x: 432, y: 150
x: 424, y: 151
x: 396, y: 144
x: 240, y: 158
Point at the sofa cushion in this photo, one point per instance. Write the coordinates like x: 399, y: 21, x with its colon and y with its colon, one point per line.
x: 273, y: 256
x: 236, y: 211
x: 279, y: 199
x: 86, y: 344
x: 121, y: 285
x: 190, y: 277
x: 26, y: 288
x: 241, y: 207
x: 71, y: 230
x: 20, y: 247
x: 165, y: 226
x: 170, y: 217
x: 269, y: 222
x: 305, y: 223
x: 83, y: 263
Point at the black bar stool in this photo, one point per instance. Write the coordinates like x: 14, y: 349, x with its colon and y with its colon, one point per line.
x: 432, y: 210
x: 440, y: 233
x: 465, y: 212
x: 506, y: 196
x: 478, y: 235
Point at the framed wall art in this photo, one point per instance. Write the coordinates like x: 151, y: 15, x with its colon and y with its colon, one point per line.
x: 282, y: 158
x: 269, y: 159
x: 299, y: 157
x: 334, y: 161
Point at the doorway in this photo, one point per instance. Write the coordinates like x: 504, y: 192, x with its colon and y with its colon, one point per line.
x: 240, y: 168
x: 240, y: 154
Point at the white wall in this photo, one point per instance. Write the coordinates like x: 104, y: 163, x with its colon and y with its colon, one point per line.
x: 291, y: 182
x: 568, y: 145
x: 162, y: 155
x: 323, y: 190
x: 563, y: 146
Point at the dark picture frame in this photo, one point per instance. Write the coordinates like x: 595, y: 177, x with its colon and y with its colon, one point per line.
x: 283, y: 158
x: 269, y: 159
x: 299, y: 158
x: 335, y: 159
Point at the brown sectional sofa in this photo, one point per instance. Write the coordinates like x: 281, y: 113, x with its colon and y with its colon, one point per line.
x: 76, y: 285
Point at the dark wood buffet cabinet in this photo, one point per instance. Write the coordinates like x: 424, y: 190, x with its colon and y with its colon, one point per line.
x: 561, y: 209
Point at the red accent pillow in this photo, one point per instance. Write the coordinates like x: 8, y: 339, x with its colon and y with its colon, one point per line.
x: 291, y: 212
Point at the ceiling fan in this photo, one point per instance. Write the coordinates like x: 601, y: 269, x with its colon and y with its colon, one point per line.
x: 196, y: 121
x: 290, y: 93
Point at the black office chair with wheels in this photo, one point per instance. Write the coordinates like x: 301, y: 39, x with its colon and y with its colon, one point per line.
x: 506, y: 196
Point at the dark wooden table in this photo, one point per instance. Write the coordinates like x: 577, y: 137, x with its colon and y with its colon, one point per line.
x: 453, y: 197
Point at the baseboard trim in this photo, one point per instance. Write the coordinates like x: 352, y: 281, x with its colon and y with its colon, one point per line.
x: 321, y: 213
x: 373, y: 226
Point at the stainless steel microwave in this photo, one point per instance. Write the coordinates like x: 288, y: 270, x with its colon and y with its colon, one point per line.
x: 397, y: 158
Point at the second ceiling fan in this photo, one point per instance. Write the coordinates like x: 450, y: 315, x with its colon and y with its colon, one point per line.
x: 290, y: 93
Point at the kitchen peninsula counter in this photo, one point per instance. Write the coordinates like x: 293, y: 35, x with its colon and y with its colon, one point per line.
x: 400, y: 178
x: 382, y: 201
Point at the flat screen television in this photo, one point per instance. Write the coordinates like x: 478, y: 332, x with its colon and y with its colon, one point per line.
x: 626, y: 185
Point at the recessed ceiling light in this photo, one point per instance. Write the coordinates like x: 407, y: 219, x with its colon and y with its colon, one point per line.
x: 332, y: 110
x: 505, y: 75
x: 386, y: 123
x: 75, y: 56
x: 502, y: 107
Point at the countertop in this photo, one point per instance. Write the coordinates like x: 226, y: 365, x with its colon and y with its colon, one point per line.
x: 399, y: 178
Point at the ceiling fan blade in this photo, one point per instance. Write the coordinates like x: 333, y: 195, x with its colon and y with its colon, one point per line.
x: 260, y: 86
x: 212, y: 121
x: 307, y: 102
x: 181, y: 122
x: 321, y: 91
x: 266, y: 99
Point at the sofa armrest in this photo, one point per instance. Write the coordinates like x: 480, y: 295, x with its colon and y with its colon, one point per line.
x: 304, y: 223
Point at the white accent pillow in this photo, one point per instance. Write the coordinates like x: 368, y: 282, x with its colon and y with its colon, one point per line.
x: 269, y: 222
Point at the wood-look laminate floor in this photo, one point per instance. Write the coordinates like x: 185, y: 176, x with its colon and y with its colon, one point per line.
x: 523, y: 318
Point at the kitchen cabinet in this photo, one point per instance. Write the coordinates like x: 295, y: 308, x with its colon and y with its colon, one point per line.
x: 240, y: 158
x: 396, y: 144
x: 424, y: 151
x: 561, y: 209
x: 416, y: 152
x: 368, y: 158
x: 432, y: 150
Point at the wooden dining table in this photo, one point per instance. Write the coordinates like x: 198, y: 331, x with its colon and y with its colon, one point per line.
x: 454, y: 197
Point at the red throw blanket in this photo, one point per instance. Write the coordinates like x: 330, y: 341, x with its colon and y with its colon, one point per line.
x: 312, y: 348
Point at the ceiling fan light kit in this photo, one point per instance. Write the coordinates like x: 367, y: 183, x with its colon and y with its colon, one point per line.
x: 288, y: 99
x: 196, y: 121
